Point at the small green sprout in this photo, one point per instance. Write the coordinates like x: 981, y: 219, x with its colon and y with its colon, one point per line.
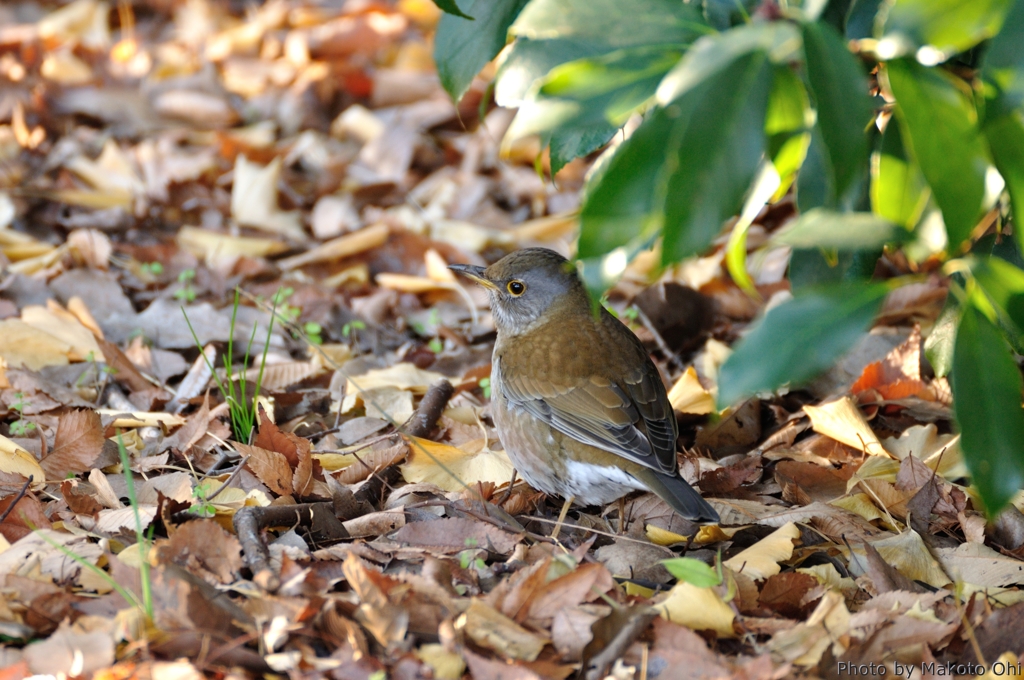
x: 152, y: 268
x: 186, y: 293
x: 485, y: 385
x: 21, y: 427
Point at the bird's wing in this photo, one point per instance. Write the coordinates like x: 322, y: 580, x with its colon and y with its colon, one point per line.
x: 631, y: 417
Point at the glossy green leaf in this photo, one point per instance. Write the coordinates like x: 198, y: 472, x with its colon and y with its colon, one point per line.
x: 621, y: 200
x: 692, y: 571
x: 462, y: 47
x: 815, y: 185
x: 940, y: 126
x: 938, y: 346
x: 718, y: 144
x: 528, y: 60
x: 949, y: 25
x: 577, y: 142
x: 1003, y: 285
x: 712, y: 54
x: 1005, y: 136
x: 860, y: 20
x: 724, y: 14
x: 799, y: 339
x: 823, y: 228
x: 612, y: 22
x: 987, y: 387
x: 840, y: 92
x: 898, y: 190
x: 605, y: 89
x: 787, y: 103
x: 450, y: 7
x: 1004, y: 59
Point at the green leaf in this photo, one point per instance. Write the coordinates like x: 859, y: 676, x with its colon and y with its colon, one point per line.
x: 578, y: 141
x: 463, y: 47
x: 811, y: 268
x: 987, y: 387
x: 938, y: 346
x: 599, y: 90
x: 1004, y: 60
x: 787, y: 103
x: 718, y: 142
x: 621, y: 199
x: 860, y: 20
x: 950, y: 25
x: 815, y: 185
x: 1003, y: 285
x: 612, y: 22
x: 713, y: 54
x: 898, y: 189
x: 840, y: 93
x: 529, y: 60
x: 1006, y: 142
x: 800, y: 338
x: 939, y: 125
x: 692, y: 571
x: 785, y: 123
x: 449, y: 7
x: 723, y: 14
x: 823, y: 228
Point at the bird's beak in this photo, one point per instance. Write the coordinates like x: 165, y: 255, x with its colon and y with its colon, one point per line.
x: 474, y: 272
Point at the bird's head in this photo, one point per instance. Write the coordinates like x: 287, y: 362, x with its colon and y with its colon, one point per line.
x: 528, y: 286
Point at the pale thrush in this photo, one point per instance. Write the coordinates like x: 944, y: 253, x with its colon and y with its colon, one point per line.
x: 579, y: 406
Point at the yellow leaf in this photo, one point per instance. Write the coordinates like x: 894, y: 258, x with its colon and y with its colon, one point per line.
x: 907, y: 553
x: 142, y: 418
x: 659, y: 536
x: 761, y: 560
x: 804, y: 644
x: 842, y: 420
x: 25, y: 345
x: 338, y: 248
x: 16, y: 460
x: 689, y: 396
x: 404, y: 376
x: 254, y: 200
x: 63, y: 325
x: 212, y: 246
x: 697, y: 609
x: 426, y: 459
x: 859, y: 504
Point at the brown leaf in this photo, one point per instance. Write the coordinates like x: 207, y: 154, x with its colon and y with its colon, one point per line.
x: 205, y: 549
x: 786, y: 593
x: 80, y: 499
x: 270, y: 467
x: 587, y: 583
x: 455, y: 534
x: 124, y: 370
x: 296, y: 449
x: 374, y: 460
x: 76, y: 446
x: 884, y: 576
x: 27, y: 515
x: 490, y: 628
x: 803, y: 483
x: 482, y: 667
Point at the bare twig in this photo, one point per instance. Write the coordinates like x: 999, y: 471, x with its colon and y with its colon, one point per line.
x: 21, y: 494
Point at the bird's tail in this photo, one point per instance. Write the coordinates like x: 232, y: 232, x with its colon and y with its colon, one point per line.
x: 683, y: 498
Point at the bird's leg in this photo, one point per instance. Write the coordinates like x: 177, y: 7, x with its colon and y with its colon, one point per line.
x: 622, y: 515
x: 561, y: 516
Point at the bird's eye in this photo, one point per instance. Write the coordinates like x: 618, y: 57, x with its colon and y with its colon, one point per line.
x: 516, y: 288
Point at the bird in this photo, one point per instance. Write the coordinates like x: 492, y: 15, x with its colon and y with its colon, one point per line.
x: 578, y: 404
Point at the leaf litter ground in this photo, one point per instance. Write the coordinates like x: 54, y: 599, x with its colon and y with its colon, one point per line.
x: 156, y: 156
